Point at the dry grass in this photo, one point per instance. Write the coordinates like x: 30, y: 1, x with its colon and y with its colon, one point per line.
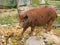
x: 16, y: 32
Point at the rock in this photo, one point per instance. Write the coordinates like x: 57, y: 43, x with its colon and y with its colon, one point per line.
x: 33, y: 40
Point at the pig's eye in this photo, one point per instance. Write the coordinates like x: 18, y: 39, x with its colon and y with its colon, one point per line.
x: 23, y: 21
x: 26, y: 17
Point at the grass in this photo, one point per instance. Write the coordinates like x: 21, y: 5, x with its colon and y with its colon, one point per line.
x: 8, y: 20
x: 58, y: 5
x: 35, y: 2
x: 57, y: 20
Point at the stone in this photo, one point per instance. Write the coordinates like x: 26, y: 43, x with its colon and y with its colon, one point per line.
x: 34, y: 40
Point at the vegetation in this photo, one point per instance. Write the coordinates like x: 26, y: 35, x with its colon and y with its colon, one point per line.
x: 58, y: 5
x: 8, y: 20
x: 57, y: 21
x: 35, y: 2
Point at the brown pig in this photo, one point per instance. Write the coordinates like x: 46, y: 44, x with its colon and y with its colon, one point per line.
x: 38, y: 17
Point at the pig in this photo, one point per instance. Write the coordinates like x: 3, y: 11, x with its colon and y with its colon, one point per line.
x: 38, y: 17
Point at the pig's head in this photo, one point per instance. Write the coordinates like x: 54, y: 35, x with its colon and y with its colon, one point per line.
x: 22, y: 18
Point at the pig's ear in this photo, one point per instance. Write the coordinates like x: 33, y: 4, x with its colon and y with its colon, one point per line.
x: 20, y: 16
x: 26, y: 17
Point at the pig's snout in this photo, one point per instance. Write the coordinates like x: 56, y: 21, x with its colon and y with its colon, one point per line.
x: 21, y: 24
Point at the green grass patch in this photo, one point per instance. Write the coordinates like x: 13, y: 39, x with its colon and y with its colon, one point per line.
x: 8, y: 20
x: 57, y: 20
x: 58, y: 5
x: 38, y: 2
x: 35, y: 2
